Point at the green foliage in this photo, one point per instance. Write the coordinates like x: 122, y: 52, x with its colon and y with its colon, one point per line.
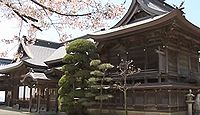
x: 98, y: 79
x: 103, y: 97
x: 81, y: 46
x: 105, y: 66
x: 74, y: 94
x: 97, y: 73
x: 95, y: 62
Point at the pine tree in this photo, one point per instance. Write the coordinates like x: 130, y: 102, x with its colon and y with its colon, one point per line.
x: 100, y: 76
x: 74, y: 91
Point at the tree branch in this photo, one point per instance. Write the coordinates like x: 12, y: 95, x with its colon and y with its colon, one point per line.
x: 59, y: 13
x: 51, y: 22
x: 22, y: 16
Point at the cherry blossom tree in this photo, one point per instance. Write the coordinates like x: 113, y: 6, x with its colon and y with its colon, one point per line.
x: 40, y: 15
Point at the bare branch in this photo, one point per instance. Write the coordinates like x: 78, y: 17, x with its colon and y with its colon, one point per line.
x: 36, y: 27
x: 51, y: 22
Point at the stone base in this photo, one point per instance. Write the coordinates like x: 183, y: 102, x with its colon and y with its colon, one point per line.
x: 121, y: 112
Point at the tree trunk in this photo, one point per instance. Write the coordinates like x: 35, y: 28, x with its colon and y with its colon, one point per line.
x: 125, y: 102
x: 125, y: 95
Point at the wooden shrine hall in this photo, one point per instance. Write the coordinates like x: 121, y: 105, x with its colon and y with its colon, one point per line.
x: 164, y: 45
x: 28, y: 81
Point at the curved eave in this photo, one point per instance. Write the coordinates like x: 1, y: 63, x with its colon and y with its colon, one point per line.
x: 8, y: 68
x: 146, y: 24
x: 44, y: 66
x: 27, y: 50
x: 156, y: 8
x: 191, y: 28
x: 51, y: 62
x: 127, y: 17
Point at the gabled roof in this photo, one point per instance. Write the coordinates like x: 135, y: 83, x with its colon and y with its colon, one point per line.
x: 39, y: 54
x: 144, y: 9
x: 39, y: 51
x: 34, y: 55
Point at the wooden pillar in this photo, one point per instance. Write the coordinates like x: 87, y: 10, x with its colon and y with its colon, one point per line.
x: 145, y: 98
x: 169, y: 100
x: 6, y: 93
x: 24, y: 93
x: 38, y: 100
x: 30, y: 100
x: 57, y: 100
x: 189, y: 64
x: 156, y: 97
x: 177, y: 99
x: 15, y: 94
x: 166, y: 60
x: 48, y: 99
x: 178, y: 65
x: 166, y: 63
x: 198, y: 64
x: 146, y: 58
x: 133, y: 98
x: 159, y: 61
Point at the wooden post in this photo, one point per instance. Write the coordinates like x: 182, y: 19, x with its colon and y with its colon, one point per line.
x: 159, y: 61
x: 30, y: 100
x: 24, y: 93
x: 189, y: 63
x: 6, y: 93
x: 156, y: 97
x: 166, y: 59
x: 198, y: 66
x: 169, y: 99
x: 145, y: 98
x: 177, y: 99
x: 38, y: 101
x: 57, y: 100
x: 178, y: 65
x: 48, y: 99
x: 146, y: 59
x: 133, y: 98
x: 166, y: 63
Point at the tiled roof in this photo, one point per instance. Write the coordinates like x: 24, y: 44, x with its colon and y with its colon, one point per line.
x: 57, y: 55
x: 35, y: 54
x: 39, y: 54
